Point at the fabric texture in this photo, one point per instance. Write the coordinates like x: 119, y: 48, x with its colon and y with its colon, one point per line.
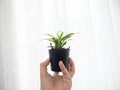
x: 95, y: 50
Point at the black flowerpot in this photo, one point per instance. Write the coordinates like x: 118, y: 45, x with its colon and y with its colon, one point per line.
x: 56, y: 56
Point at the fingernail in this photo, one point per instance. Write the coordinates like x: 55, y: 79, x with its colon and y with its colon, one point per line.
x: 60, y: 62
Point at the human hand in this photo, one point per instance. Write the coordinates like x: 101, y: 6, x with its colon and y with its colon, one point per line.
x: 57, y: 82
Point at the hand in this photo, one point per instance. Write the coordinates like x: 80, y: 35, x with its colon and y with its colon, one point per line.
x: 56, y: 82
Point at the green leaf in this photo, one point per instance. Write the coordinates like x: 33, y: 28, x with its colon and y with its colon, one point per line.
x: 60, y: 36
x: 67, y: 36
x: 60, y: 40
x: 64, y: 43
x: 50, y: 35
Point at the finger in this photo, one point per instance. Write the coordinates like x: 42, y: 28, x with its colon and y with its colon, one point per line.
x: 71, y: 67
x: 43, y: 67
x: 63, y: 69
x: 56, y: 73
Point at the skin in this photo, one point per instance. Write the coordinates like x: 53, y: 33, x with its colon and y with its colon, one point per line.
x: 56, y: 81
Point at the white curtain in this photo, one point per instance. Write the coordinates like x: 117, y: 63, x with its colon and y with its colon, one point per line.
x: 96, y: 51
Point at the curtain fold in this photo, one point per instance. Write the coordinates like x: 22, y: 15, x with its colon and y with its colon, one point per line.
x: 96, y: 51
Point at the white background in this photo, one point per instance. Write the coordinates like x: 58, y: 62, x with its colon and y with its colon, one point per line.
x: 95, y: 51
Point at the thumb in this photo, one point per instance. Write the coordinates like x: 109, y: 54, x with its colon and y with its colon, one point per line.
x: 63, y: 69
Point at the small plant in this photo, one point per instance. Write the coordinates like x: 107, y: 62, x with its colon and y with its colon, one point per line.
x: 58, y: 51
x: 60, y: 40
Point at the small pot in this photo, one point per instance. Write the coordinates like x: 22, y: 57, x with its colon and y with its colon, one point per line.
x: 56, y: 56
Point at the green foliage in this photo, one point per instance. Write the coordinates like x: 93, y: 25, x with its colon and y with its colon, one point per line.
x: 60, y: 40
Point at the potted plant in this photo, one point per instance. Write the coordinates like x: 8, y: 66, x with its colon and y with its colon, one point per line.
x: 57, y: 49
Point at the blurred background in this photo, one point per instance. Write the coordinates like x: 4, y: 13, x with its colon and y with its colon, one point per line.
x: 95, y: 51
